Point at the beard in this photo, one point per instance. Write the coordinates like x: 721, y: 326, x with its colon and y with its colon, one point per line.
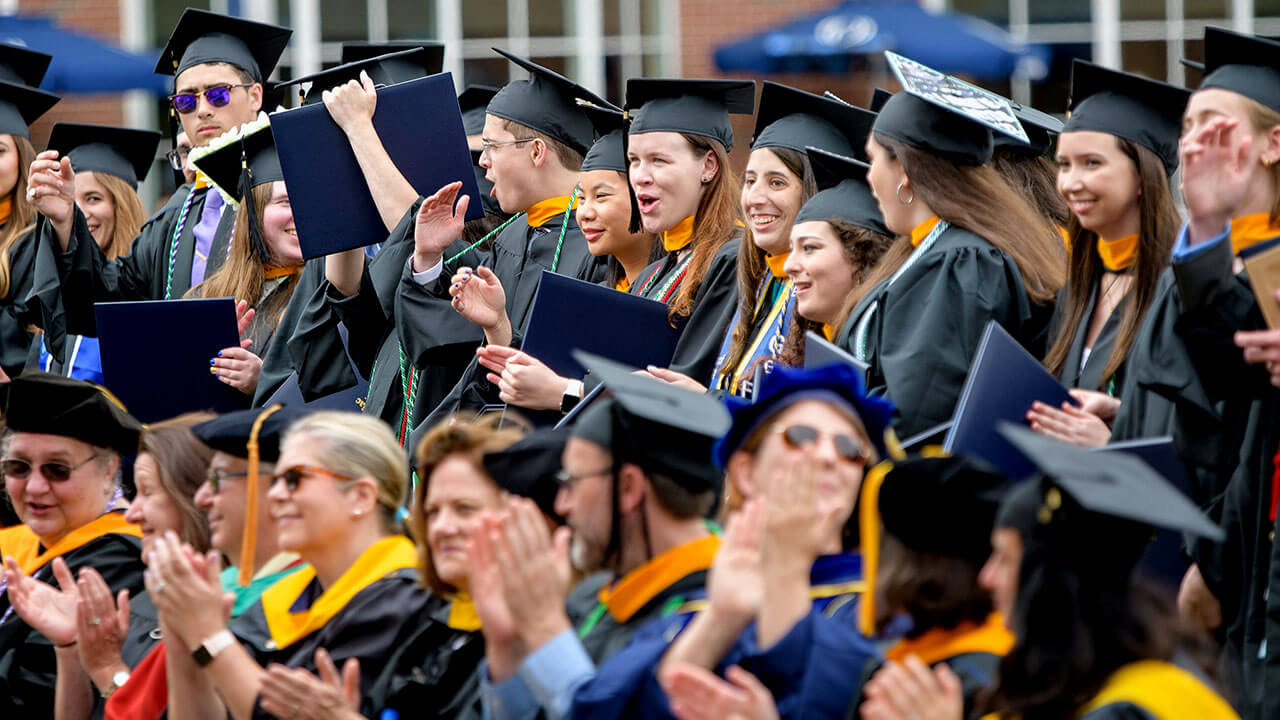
x: 586, y: 556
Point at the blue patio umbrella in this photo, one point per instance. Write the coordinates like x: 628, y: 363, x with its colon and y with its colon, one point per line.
x: 82, y: 63
x: 826, y: 42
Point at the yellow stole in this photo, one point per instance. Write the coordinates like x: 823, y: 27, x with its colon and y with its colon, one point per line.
x: 622, y: 285
x: 1164, y: 690
x: 634, y: 590
x: 941, y: 644
x: 678, y: 237
x: 271, y: 272
x: 829, y: 332
x: 1250, y: 230
x: 1118, y: 255
x: 6, y: 207
x: 381, y: 559
x: 540, y: 212
x: 23, y: 545
x: 921, y: 231
x: 775, y: 263
x: 462, y: 613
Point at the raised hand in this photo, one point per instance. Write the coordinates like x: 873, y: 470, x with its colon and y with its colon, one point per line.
x: 244, y: 318
x: 797, y: 523
x: 103, y: 624
x: 698, y: 694
x: 439, y: 222
x: 237, y: 367
x: 296, y: 693
x: 51, y: 187
x: 913, y: 691
x: 479, y: 297
x: 535, y: 572
x: 1217, y: 163
x: 352, y: 105
x: 735, y: 585
x: 48, y: 610
x: 522, y: 380
x: 502, y: 647
x: 1069, y: 424
x: 186, y: 588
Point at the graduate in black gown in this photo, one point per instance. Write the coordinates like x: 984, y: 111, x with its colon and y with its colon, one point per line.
x: 340, y: 481
x: 21, y: 71
x: 219, y: 64
x: 1115, y: 157
x: 969, y: 250
x: 60, y: 463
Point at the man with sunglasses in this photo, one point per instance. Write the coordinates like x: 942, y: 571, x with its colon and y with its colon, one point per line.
x: 60, y: 464
x: 219, y: 64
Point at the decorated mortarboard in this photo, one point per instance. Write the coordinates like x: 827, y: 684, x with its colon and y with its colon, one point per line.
x: 230, y: 432
x: 839, y: 385
x: 844, y: 195
x: 945, y: 116
x: 48, y: 404
x: 207, y: 37
x: 662, y: 428
x: 22, y: 65
x: 238, y: 161
x: 123, y: 152
x: 939, y: 505
x: 1244, y: 64
x: 529, y: 467
x: 434, y: 50
x: 795, y: 119
x: 546, y: 102
x: 383, y: 70
x: 473, y: 102
x: 879, y: 97
x: 1128, y: 106
x: 609, y: 151
x: 20, y: 106
x: 693, y: 107
x: 1041, y: 128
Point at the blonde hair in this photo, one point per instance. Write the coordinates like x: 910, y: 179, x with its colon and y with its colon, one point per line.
x: 129, y: 214
x: 22, y: 214
x: 358, y: 445
x: 1263, y: 119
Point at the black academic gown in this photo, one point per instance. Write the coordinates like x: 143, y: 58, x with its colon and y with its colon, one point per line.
x: 929, y: 323
x: 602, y: 634
x: 520, y: 253
x: 66, y: 285
x: 713, y: 308
x: 16, y: 313
x: 434, y: 675
x: 976, y: 671
x: 374, y: 624
x: 1089, y: 376
x: 28, y: 670
x: 277, y: 362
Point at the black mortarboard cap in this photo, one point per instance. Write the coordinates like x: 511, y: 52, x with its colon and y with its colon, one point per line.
x: 693, y: 107
x: 1128, y: 106
x: 662, y: 428
x: 20, y: 106
x: 48, y: 404
x: 943, y: 505
x: 1245, y: 64
x: 229, y: 433
x: 529, y: 467
x: 609, y: 150
x: 795, y: 119
x: 357, y: 51
x: 473, y: 102
x: 239, y: 164
x: 22, y: 65
x: 389, y: 69
x: 1041, y: 129
x: 547, y: 102
x: 1109, y: 484
x: 207, y: 37
x: 123, y: 152
x: 844, y: 195
x: 879, y: 97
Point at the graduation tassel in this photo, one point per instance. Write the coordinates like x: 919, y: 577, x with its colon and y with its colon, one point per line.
x: 249, y: 544
x: 869, y: 529
x: 257, y: 244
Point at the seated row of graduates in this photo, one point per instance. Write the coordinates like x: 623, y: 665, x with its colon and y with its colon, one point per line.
x: 983, y: 246
x: 123, y: 610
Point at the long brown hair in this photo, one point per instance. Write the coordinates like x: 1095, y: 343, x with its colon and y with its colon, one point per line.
x: 715, y: 222
x: 976, y: 199
x: 22, y: 214
x: 751, y: 263
x: 1036, y: 179
x: 862, y: 248
x: 243, y: 274
x: 1157, y: 229
x: 128, y: 211
x: 183, y: 462
x: 1263, y: 119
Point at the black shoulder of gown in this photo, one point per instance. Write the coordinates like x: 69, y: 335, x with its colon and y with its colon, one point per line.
x: 17, y: 312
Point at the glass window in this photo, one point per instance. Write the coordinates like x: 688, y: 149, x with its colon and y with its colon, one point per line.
x: 493, y: 71
x: 484, y: 18
x: 343, y: 20
x: 1145, y: 58
x: 548, y: 17
x: 614, y: 84
x: 612, y: 17
x: 1207, y: 8
x: 996, y: 11
x: 651, y: 17
x: 1142, y: 10
x: 411, y: 19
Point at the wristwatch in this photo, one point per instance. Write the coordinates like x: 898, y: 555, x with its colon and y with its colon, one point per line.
x: 212, y: 645
x: 117, y: 681
x: 572, y: 396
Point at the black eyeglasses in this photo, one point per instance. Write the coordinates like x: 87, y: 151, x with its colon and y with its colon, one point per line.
x: 52, y: 471
x: 847, y: 446
x: 217, y: 477
x: 292, y: 477
x: 218, y: 96
x: 178, y: 157
x: 567, y: 479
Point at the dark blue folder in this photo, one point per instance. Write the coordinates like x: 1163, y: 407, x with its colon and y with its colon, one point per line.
x: 155, y: 355
x: 421, y: 128
x: 821, y: 352
x: 352, y: 399
x: 570, y: 314
x: 1004, y: 379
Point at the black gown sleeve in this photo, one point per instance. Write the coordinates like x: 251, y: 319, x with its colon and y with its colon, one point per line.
x: 16, y: 314
x: 713, y: 308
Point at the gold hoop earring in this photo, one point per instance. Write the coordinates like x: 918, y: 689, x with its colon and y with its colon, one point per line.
x: 898, y: 193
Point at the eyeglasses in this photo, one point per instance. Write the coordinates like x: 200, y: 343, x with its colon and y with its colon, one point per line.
x: 567, y: 479
x: 847, y: 447
x: 178, y: 157
x: 218, y: 96
x: 217, y: 477
x: 52, y: 471
x: 292, y: 477
x: 486, y: 145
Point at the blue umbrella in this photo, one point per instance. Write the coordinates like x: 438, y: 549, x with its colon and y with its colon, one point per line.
x: 82, y: 63
x: 828, y: 40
